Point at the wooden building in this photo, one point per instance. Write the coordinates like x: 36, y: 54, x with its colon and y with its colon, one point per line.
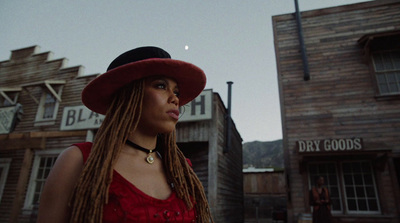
x: 264, y: 194
x: 340, y: 105
x: 41, y: 114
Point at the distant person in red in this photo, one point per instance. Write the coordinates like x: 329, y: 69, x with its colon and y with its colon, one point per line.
x: 321, y: 202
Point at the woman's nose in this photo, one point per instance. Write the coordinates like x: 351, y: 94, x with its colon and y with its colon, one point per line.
x: 173, y: 98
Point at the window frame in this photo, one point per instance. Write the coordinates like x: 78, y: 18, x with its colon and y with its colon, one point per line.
x: 28, y: 205
x: 342, y: 186
x: 48, y: 89
x: 377, y: 73
x: 379, y: 211
x: 5, y: 164
x: 311, y: 184
x: 42, y: 108
x: 372, y: 43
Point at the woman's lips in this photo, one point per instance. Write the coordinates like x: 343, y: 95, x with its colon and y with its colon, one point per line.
x: 174, y: 113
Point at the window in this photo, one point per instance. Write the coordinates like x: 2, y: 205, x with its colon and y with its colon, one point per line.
x: 49, y: 106
x: 49, y: 101
x: 355, y: 179
x: 4, y: 166
x: 360, y: 190
x: 387, y: 71
x: 329, y: 172
x: 382, y: 53
x: 42, y: 164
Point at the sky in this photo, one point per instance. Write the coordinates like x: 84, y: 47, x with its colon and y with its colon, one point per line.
x: 231, y: 40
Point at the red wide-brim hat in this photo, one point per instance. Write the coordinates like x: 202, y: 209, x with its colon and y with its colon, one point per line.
x: 141, y: 63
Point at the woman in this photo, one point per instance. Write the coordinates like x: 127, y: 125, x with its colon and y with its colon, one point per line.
x: 321, y: 202
x: 133, y: 171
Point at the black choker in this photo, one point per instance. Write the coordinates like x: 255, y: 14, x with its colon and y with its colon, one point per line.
x: 149, y: 157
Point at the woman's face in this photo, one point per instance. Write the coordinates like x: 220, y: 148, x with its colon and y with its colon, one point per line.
x: 320, y: 181
x: 160, y: 111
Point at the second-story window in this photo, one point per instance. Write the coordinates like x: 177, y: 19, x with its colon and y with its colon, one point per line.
x: 47, y: 95
x: 49, y: 105
x: 382, y: 53
x: 387, y: 71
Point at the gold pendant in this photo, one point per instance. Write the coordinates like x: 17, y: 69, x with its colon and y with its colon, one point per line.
x: 150, y: 158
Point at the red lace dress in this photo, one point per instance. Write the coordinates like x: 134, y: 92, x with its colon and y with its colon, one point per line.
x: 129, y: 204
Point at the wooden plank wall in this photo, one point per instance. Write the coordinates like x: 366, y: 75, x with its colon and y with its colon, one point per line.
x: 264, y: 193
x: 192, y: 131
x: 12, y: 181
x: 27, y: 66
x: 339, y: 101
x: 208, y: 140
x: 197, y: 152
x: 272, y: 183
x: 230, y: 203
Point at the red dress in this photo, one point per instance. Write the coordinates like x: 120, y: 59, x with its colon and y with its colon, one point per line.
x: 126, y: 203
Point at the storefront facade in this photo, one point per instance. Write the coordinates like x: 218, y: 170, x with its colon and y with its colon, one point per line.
x: 41, y: 114
x: 340, y: 110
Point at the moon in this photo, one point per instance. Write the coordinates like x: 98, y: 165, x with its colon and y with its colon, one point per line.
x: 186, y: 47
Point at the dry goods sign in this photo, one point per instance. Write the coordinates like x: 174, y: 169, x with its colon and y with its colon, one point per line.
x: 329, y: 145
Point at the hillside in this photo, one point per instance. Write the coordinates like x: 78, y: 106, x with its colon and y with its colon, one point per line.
x: 263, y: 154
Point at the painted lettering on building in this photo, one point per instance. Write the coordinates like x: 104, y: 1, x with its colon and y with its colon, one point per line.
x: 199, y: 109
x: 329, y: 145
x: 80, y: 117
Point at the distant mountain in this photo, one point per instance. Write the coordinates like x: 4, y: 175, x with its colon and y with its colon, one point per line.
x: 263, y: 154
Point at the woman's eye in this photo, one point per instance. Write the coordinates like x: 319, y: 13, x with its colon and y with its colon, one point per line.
x: 177, y: 93
x: 161, y: 86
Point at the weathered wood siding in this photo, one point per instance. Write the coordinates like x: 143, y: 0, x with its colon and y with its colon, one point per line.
x: 222, y: 178
x: 192, y: 131
x: 339, y: 101
x: 198, y: 155
x: 272, y: 183
x: 28, y: 66
x: 264, y: 194
x: 229, y: 203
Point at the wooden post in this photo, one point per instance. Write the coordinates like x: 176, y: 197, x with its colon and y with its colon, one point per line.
x: 21, y: 186
x: 213, y: 163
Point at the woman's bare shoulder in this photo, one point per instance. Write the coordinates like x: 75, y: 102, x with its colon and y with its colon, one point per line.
x: 72, y: 153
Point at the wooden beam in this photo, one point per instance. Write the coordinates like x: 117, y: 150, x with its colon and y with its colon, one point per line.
x: 5, y: 96
x: 31, y: 95
x: 34, y: 143
x: 34, y: 140
x: 21, y: 186
x: 52, y: 91
x: 51, y: 134
x: 58, y: 134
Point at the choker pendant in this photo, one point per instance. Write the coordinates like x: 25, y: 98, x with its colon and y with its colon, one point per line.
x: 149, y: 159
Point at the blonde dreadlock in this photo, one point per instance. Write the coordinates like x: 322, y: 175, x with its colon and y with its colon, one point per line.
x: 91, y: 191
x: 187, y: 184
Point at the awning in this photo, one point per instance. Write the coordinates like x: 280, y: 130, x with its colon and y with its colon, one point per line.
x: 378, y: 157
x: 6, y: 92
x: 49, y: 85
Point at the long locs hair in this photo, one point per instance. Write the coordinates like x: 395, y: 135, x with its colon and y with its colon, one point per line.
x: 91, y: 191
